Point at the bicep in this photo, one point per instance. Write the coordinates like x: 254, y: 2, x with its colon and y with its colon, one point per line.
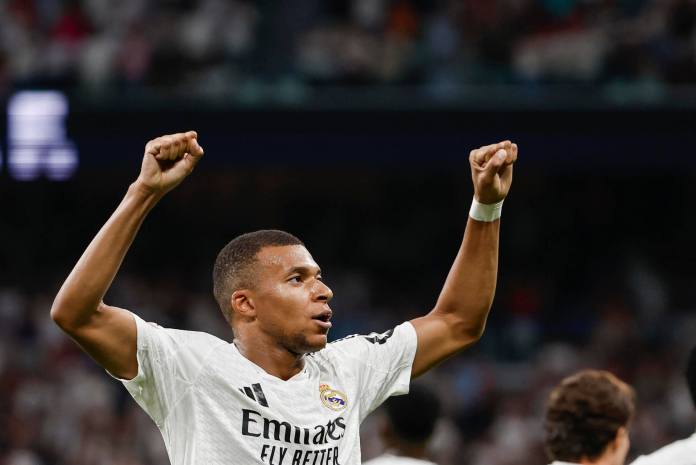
x: 110, y: 338
x: 439, y: 337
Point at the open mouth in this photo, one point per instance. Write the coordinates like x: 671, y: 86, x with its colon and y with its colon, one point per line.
x: 323, y: 318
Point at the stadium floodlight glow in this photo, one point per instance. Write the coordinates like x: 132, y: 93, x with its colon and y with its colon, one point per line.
x: 37, y: 141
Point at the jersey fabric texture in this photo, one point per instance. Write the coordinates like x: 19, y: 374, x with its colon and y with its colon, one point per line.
x: 677, y: 453
x: 215, y: 407
x: 391, y: 459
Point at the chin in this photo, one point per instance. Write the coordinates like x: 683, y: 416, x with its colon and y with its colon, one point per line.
x: 305, y: 344
x: 315, y: 343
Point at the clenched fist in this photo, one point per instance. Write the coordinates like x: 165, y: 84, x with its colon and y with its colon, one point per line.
x: 168, y: 160
x: 491, y: 171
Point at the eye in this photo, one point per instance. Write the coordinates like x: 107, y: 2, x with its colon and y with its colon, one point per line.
x: 295, y: 279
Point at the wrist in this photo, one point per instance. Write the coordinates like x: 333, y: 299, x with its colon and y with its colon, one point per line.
x: 485, y: 212
x: 145, y: 193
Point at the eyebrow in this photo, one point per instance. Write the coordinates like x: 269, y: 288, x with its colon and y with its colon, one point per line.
x: 304, y: 270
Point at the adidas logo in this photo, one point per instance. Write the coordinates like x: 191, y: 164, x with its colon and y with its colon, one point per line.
x: 255, y: 393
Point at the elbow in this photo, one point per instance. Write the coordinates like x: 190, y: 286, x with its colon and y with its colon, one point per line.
x: 471, y: 334
x: 466, y: 325
x: 476, y: 333
x: 66, y: 315
x: 59, y: 314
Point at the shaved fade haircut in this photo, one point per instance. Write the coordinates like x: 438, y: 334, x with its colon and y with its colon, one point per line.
x: 584, y: 414
x: 234, y: 268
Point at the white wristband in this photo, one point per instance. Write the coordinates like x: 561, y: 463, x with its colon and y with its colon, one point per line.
x: 485, y: 212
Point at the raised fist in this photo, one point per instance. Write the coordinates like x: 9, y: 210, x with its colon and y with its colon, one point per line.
x: 168, y: 160
x: 491, y: 171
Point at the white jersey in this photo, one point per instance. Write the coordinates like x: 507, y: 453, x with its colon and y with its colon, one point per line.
x: 677, y: 453
x: 391, y: 459
x: 215, y: 407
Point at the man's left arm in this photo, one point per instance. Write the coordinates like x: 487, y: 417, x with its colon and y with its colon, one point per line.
x: 459, y: 316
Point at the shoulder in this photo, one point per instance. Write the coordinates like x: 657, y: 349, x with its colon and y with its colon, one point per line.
x: 391, y: 336
x: 150, y: 333
x: 380, y: 351
x: 675, y: 453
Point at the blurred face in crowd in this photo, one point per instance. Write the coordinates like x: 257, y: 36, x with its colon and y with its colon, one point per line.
x: 289, y: 301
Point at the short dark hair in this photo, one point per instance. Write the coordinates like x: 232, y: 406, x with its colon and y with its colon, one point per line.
x: 413, y: 416
x: 691, y: 374
x: 233, y: 270
x: 584, y: 413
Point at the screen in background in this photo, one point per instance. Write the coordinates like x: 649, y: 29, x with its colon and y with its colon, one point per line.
x: 37, y: 141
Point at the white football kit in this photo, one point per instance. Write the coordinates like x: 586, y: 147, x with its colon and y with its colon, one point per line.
x: 677, y: 453
x: 215, y: 407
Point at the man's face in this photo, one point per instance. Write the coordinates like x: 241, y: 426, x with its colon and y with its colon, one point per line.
x: 291, y: 301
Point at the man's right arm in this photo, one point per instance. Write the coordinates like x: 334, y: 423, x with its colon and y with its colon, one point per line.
x: 106, y: 333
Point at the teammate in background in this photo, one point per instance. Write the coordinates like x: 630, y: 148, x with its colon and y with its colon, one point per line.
x: 278, y: 394
x: 587, y: 418
x: 680, y: 452
x: 408, y: 425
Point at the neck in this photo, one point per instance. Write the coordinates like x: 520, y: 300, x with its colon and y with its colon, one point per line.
x: 271, y: 357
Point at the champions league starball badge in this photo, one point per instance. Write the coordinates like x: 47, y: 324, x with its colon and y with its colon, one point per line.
x: 331, y: 398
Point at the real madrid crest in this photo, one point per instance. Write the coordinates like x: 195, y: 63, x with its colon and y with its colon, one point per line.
x: 331, y: 398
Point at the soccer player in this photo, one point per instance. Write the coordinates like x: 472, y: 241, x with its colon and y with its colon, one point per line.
x: 278, y: 394
x: 587, y: 418
x: 680, y: 452
x: 409, y: 424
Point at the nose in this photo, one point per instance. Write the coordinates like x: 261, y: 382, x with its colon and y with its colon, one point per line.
x: 322, y: 292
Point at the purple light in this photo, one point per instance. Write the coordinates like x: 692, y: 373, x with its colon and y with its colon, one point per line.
x: 37, y: 142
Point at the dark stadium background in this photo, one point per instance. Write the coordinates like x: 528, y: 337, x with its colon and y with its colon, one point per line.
x: 597, y: 252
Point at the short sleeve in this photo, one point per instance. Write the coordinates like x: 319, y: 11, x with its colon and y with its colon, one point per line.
x: 382, y: 363
x: 169, y: 362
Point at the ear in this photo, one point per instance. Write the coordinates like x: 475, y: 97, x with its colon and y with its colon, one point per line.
x: 618, y: 448
x: 621, y: 436
x: 242, y: 303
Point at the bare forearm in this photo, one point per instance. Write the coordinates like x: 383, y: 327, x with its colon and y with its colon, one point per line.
x: 459, y: 316
x: 470, y: 286
x: 83, y: 290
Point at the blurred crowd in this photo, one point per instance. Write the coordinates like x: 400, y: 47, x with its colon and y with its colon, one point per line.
x: 242, y: 48
x: 58, y: 407
x: 585, y: 281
